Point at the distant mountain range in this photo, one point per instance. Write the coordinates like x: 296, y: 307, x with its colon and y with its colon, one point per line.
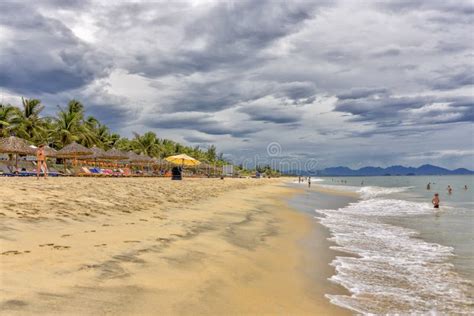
x: 425, y: 170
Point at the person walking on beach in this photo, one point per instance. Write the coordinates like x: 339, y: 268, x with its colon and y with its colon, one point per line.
x: 309, y: 182
x: 435, y: 201
x: 450, y: 190
x: 41, y: 162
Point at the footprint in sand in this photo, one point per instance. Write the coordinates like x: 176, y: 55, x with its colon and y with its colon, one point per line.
x: 11, y: 252
x: 65, y: 235
x: 44, y: 245
x: 106, y: 225
x: 100, y: 245
x: 143, y: 220
x: 130, y: 223
x: 89, y: 231
x: 131, y: 241
x: 58, y: 247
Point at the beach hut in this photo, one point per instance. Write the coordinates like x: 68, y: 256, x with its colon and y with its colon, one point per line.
x: 17, y: 146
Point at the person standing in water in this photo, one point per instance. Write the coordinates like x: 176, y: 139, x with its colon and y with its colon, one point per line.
x: 465, y: 187
x: 309, y: 182
x: 450, y: 190
x: 41, y: 162
x: 428, y: 186
x: 435, y: 201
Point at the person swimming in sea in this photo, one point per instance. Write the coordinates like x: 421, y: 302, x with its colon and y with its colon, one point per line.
x: 435, y: 201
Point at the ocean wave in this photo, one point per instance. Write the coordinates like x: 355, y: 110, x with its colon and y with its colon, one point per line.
x: 393, y: 270
x: 367, y: 192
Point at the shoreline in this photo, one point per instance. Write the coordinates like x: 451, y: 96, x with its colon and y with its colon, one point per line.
x: 199, y: 246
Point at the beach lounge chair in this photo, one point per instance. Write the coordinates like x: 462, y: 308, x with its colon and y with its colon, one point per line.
x: 5, y: 171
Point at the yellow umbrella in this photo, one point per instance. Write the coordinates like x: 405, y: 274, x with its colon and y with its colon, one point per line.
x: 183, y: 160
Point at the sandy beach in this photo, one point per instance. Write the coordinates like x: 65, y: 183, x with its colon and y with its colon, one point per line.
x: 148, y: 246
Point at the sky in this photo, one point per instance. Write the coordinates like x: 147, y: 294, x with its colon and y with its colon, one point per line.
x: 350, y: 83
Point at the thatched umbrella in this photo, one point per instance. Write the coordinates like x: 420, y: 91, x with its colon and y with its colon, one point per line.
x: 133, y: 157
x: 73, y: 150
x: 48, y: 151
x: 115, y: 154
x: 17, y: 146
x: 145, y: 158
x: 97, y: 153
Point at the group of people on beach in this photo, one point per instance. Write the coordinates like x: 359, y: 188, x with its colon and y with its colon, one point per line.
x: 303, y: 179
x: 435, y: 199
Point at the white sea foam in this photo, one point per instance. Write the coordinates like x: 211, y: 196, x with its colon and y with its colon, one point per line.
x: 393, y: 271
x: 366, y: 192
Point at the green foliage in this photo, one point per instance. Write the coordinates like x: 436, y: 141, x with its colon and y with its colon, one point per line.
x: 72, y: 125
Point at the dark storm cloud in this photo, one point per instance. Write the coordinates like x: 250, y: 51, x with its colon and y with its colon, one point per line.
x: 197, y: 121
x: 197, y: 139
x: 43, y: 55
x: 447, y: 6
x: 296, y: 90
x: 402, y: 115
x: 454, y: 79
x: 270, y: 114
x: 232, y: 34
x: 360, y: 93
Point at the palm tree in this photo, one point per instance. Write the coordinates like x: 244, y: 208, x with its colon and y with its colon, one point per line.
x: 147, y: 144
x: 167, y: 148
x: 29, y: 124
x: 70, y: 125
x: 8, y: 116
x: 75, y: 106
x: 67, y: 128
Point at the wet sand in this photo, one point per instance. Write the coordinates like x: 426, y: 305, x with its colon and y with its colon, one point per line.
x: 154, y: 246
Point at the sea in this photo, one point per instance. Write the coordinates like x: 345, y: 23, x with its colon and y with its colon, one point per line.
x: 401, y: 255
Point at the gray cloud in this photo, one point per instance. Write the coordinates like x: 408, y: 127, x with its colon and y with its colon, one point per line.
x: 360, y: 93
x: 333, y: 77
x: 44, y: 55
x: 198, y: 121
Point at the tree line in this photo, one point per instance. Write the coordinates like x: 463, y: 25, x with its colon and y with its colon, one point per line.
x: 72, y: 125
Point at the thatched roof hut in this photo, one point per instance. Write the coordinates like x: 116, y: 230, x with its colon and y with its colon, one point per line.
x: 73, y: 150
x: 97, y: 153
x: 50, y: 152
x: 115, y: 154
x: 15, y: 145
